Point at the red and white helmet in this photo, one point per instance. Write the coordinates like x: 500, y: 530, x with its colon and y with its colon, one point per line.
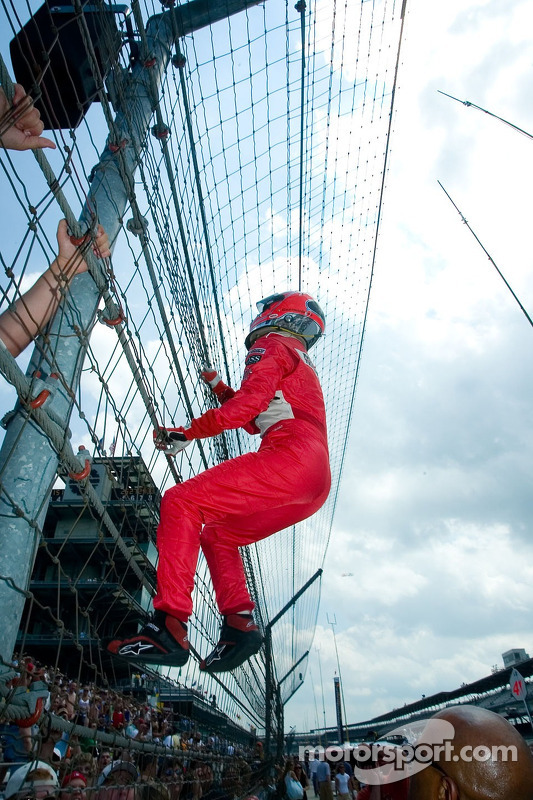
x: 292, y: 312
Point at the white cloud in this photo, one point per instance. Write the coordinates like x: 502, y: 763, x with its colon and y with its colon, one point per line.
x: 433, y: 516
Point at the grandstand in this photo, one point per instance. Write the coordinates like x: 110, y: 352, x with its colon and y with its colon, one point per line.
x: 492, y: 692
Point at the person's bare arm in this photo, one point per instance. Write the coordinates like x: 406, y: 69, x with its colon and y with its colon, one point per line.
x: 20, y: 123
x: 35, y: 308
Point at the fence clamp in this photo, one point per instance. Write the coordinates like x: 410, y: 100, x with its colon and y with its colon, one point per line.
x: 86, y: 471
x: 46, y: 386
x: 115, y: 315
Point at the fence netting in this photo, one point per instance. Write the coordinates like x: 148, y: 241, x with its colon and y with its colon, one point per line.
x: 258, y: 167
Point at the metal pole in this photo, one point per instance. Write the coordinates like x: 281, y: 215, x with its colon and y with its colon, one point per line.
x: 316, y: 707
x: 341, y: 686
x: 28, y: 462
x: 323, y: 700
x: 296, y: 664
x: 296, y: 597
x: 270, y: 688
x: 269, y: 678
x: 281, y: 724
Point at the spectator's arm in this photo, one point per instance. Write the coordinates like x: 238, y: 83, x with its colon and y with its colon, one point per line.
x: 34, y: 309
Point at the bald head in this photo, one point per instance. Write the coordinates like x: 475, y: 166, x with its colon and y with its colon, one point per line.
x: 500, y: 769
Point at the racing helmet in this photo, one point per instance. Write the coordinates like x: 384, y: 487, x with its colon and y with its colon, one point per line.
x: 293, y: 312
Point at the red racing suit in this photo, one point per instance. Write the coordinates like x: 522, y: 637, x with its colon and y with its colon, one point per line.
x: 250, y: 497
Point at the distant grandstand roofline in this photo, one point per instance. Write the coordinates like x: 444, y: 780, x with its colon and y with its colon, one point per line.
x: 484, y: 686
x: 496, y: 680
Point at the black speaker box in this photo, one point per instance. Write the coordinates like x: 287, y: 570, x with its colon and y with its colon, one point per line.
x: 51, y: 60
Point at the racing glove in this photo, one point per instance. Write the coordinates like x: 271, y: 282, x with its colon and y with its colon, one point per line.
x: 218, y: 387
x: 170, y: 440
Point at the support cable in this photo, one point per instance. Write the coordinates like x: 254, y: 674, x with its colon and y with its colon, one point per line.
x: 490, y: 114
x: 201, y: 203
x: 488, y: 256
x: 301, y: 6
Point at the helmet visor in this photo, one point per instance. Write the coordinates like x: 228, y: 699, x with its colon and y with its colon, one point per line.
x: 266, y: 302
x: 302, y: 326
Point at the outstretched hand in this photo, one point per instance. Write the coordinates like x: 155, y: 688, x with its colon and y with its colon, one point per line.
x: 70, y: 258
x: 25, y: 132
x: 29, y: 315
x: 170, y: 440
x: 221, y: 391
x: 211, y: 377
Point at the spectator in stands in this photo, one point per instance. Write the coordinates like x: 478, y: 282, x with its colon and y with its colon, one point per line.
x: 171, y: 774
x: 323, y: 776
x: 14, y: 747
x: 84, y: 702
x: 232, y: 782
x: 153, y: 791
x: 72, y: 690
x: 172, y: 738
x: 131, y: 730
x: 52, y: 747
x: 313, y: 766
x: 36, y: 779
x: 118, y: 716
x: 73, y: 785
x: 85, y: 764
x: 156, y: 731
x: 94, y: 710
x: 147, y: 765
x: 144, y: 733
x: 302, y: 777
x: 286, y: 782
x: 354, y: 786
x: 104, y: 759
x: 495, y: 778
x: 31, y: 312
x: 342, y: 783
x: 20, y: 123
x: 117, y: 781
x: 192, y: 788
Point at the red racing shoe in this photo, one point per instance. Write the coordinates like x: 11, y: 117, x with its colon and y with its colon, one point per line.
x: 163, y: 640
x: 240, y: 639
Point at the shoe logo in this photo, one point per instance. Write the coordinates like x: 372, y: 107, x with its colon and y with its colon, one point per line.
x: 153, y: 627
x: 216, y: 655
x: 134, y: 649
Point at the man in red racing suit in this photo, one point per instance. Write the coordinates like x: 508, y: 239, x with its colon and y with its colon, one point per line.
x: 239, y: 501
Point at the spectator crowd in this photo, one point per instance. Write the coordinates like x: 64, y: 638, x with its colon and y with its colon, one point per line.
x: 48, y: 758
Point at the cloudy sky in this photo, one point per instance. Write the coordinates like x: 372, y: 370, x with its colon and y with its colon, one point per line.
x: 429, y: 574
